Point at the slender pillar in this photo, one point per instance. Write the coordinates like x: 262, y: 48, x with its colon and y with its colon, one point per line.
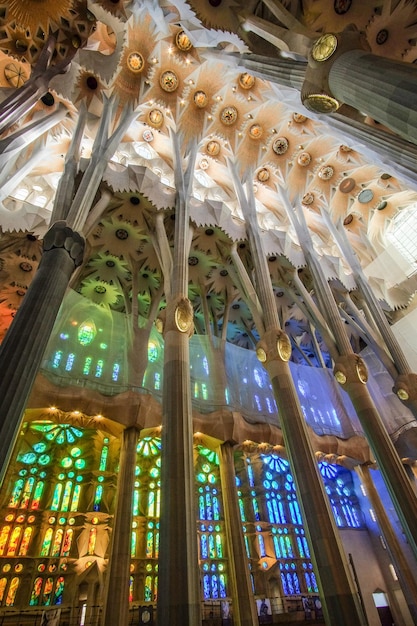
x: 244, y: 608
x: 340, y: 602
x: 179, y: 575
x: 405, y: 575
x: 116, y: 609
x: 350, y: 371
x: 178, y: 588
x: 24, y: 344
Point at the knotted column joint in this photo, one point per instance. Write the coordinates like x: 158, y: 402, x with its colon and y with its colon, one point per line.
x: 62, y: 236
x: 177, y: 316
x: 405, y: 387
x: 274, y: 345
x: 350, y: 368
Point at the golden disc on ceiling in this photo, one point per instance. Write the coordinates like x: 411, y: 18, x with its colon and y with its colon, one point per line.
x: 256, y: 131
x: 280, y: 145
x: 155, y: 118
x: 348, y: 220
x: 228, y: 116
x: 308, y: 198
x: 263, y: 175
x: 304, y: 159
x: 246, y: 81
x: 347, y: 185
x: 200, y: 99
x: 135, y: 62
x: 169, y: 81
x: 15, y: 74
x: 299, y: 118
x: 321, y: 103
x: 182, y: 41
x: 325, y: 172
x: 213, y: 148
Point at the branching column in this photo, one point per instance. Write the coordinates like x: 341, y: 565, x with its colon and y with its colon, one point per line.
x: 22, y: 349
x: 178, y: 586
x: 244, y: 609
x: 350, y: 371
x: 340, y: 602
x: 116, y: 609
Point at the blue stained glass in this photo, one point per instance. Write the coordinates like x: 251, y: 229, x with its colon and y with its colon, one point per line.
x: 206, y: 365
x: 201, y: 507
x: 204, y: 548
x: 216, y: 510
x: 70, y: 362
x: 277, y: 547
x: 242, y: 510
x: 212, y: 549
x: 99, y: 368
x: 214, y: 587
x: 284, y: 584
x: 271, y: 516
x: 250, y: 475
x: 115, y: 372
x: 296, y: 583
x: 219, y: 547
x: 87, y: 365
x: 290, y: 584
x: 209, y: 510
x: 300, y: 548
x: 222, y: 584
x: 261, y: 543
x: 256, y: 509
x: 258, y: 403
x: 206, y: 586
x: 57, y: 359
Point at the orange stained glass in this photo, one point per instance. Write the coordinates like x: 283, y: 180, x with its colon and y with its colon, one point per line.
x: 11, y: 594
x: 3, y: 538
x: 92, y: 540
x: 14, y: 541
x: 3, y: 583
x: 24, y: 546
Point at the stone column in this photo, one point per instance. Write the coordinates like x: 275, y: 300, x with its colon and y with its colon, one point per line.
x: 22, y: 349
x: 116, y: 609
x: 244, y: 608
x: 402, y: 568
x: 340, y: 602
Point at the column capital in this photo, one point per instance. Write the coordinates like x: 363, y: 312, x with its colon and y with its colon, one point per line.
x: 60, y: 235
x: 405, y: 387
x: 316, y: 94
x: 274, y: 345
x: 350, y: 368
x: 178, y: 316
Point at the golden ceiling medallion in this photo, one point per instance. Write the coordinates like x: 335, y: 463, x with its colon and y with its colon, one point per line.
x: 284, y: 347
x: 182, y: 41
x: 183, y: 316
x: 321, y: 103
x: 228, y: 116
x: 169, y: 81
x: 325, y: 172
x: 280, y: 145
x: 246, y: 81
x: 304, y: 159
x: 308, y: 198
x: 135, y: 62
x: 402, y: 394
x: 263, y: 175
x: 155, y: 118
x: 256, y: 131
x: 213, y: 148
x: 200, y: 99
x: 340, y: 377
x: 299, y: 118
x: 324, y: 47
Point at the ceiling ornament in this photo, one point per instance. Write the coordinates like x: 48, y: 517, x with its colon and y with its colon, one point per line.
x: 213, y: 148
x: 256, y: 131
x: 182, y: 41
x: 308, y: 198
x: 246, y: 81
x: 304, y: 159
x: 155, y: 118
x: 200, y: 99
x: 169, y: 81
x: 16, y: 74
x: 280, y: 145
x: 135, y: 62
x: 263, y: 175
x: 326, y: 172
x: 228, y: 115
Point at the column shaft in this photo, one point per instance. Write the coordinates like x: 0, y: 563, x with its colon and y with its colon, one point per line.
x: 22, y: 349
x: 178, y: 588
x: 244, y: 609
x: 116, y: 609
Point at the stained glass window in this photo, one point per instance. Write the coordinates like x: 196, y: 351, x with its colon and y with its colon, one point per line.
x: 343, y: 500
x: 11, y: 594
x: 59, y: 590
x: 36, y: 591
x: 24, y: 546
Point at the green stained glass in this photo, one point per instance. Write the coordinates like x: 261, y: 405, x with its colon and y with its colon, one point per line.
x: 152, y: 352
x: 136, y: 502
x: 40, y: 447
x: 75, y: 452
x: 75, y: 498
x: 148, y: 589
x: 36, y: 592
x: 66, y: 462
x: 103, y: 458
x: 154, y: 472
x: 66, y: 496
x: 37, y: 495
x: 149, y: 446
x: 47, y: 542
x: 57, y: 497
x: 17, y: 491
x: 47, y: 591
x: 28, y: 458
x: 149, y: 544
x: 44, y: 459
x: 87, y: 365
x: 86, y: 332
x: 97, y: 497
x: 79, y: 464
x: 133, y: 545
